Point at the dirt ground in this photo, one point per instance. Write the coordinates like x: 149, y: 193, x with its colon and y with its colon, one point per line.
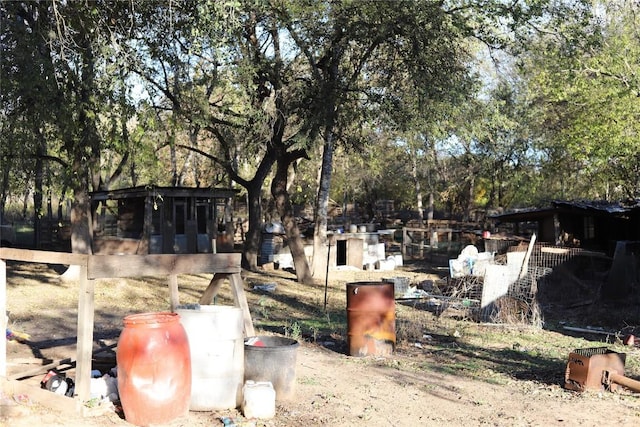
x: 416, y: 386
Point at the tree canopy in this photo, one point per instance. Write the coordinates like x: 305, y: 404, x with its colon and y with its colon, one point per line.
x: 466, y: 104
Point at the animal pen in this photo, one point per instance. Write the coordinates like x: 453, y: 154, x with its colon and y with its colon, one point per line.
x: 514, y: 286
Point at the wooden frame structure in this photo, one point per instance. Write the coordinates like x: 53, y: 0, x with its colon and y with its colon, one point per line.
x: 162, y: 220
x: 92, y: 267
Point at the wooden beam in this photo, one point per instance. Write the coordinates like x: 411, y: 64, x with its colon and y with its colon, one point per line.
x: 525, y: 264
x: 113, y: 266
x: 237, y: 286
x: 45, y: 257
x: 589, y: 331
x: 41, y: 369
x: 213, y: 288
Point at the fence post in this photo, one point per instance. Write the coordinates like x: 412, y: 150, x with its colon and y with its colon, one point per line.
x: 85, y: 337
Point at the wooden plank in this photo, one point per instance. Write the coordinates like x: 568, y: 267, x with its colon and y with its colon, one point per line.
x: 174, y: 296
x: 41, y: 369
x: 85, y: 337
x: 114, y: 266
x: 212, y: 289
x: 548, y: 250
x: 237, y: 286
x: 46, y: 257
x: 525, y: 263
x: 3, y: 317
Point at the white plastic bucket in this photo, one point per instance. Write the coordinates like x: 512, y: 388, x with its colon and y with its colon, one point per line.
x: 217, y: 355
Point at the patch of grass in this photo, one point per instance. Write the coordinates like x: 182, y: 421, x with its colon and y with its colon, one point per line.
x: 294, y: 331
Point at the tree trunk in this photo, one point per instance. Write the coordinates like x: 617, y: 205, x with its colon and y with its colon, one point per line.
x: 285, y: 210
x: 39, y: 185
x: 254, y: 192
x: 83, y: 167
x: 469, y: 205
x: 320, y: 243
x: 4, y: 193
x: 431, y: 206
x: 252, y: 238
x: 80, y: 222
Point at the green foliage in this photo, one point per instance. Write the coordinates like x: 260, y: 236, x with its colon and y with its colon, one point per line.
x: 585, y: 100
x: 397, y: 83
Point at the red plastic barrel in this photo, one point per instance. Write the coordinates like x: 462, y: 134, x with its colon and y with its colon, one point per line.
x: 154, y: 368
x: 371, y: 318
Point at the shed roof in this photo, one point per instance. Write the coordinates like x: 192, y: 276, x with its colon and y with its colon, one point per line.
x: 144, y: 191
x: 590, y: 207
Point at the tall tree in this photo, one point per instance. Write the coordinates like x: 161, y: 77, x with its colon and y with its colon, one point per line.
x: 232, y: 79
x: 74, y: 66
x: 355, y: 51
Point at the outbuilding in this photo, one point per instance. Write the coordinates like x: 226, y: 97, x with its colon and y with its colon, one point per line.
x: 162, y: 220
x: 595, y: 225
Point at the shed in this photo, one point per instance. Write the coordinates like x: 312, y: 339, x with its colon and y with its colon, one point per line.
x: 162, y: 220
x: 595, y: 225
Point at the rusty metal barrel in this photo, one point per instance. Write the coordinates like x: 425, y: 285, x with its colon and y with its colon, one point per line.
x: 371, y: 318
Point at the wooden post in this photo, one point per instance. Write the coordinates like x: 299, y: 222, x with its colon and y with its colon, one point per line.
x: 525, y: 264
x: 174, y: 296
x: 85, y: 337
x: 3, y: 317
x: 405, y: 242
x: 212, y: 289
x: 241, y: 301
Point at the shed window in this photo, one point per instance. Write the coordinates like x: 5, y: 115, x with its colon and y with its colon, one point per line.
x: 180, y: 216
x: 589, y: 228
x: 202, y: 217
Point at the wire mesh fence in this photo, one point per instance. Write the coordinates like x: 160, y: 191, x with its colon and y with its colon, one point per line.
x: 552, y: 275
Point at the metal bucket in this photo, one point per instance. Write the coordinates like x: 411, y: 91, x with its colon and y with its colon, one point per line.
x: 272, y: 359
x: 371, y: 318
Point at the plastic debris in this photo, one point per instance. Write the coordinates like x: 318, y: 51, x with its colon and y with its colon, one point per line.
x: 104, y: 387
x: 22, y: 399
x: 17, y: 336
x: 267, y: 287
x: 55, y: 383
x: 255, y: 341
x: 259, y: 399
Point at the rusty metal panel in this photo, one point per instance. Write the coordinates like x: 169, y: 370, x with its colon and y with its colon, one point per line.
x: 586, y: 367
